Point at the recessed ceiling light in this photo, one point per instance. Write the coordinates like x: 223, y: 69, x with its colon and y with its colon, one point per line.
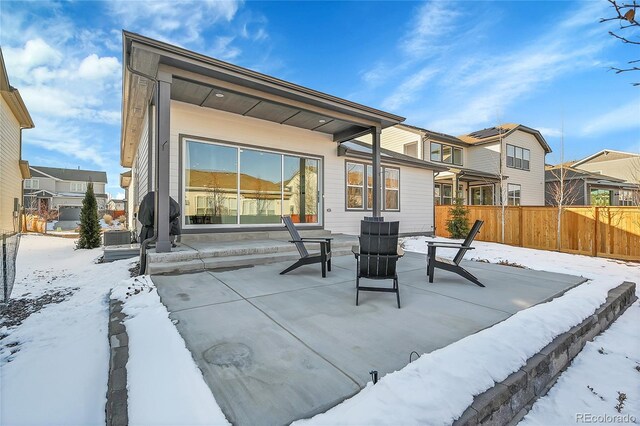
x: 322, y: 120
x: 219, y: 95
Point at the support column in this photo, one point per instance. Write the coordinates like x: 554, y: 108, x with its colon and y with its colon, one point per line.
x: 377, y: 172
x: 163, y: 116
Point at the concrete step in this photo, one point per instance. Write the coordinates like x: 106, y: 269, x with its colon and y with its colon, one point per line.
x: 229, y: 262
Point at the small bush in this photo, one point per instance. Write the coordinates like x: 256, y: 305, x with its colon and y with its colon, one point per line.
x: 89, y: 225
x: 458, y: 223
x: 107, y: 219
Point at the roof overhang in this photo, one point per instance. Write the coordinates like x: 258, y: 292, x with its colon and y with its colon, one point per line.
x: 541, y: 140
x: 211, y: 83
x: 25, y: 171
x: 470, y: 175
x: 603, y: 152
x: 125, y: 179
x: 12, y: 97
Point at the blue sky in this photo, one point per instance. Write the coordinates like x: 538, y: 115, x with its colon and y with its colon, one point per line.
x: 452, y: 67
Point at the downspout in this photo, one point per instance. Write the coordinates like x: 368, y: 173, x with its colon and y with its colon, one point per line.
x: 145, y: 243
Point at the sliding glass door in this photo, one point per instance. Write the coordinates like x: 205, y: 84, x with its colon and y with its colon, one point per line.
x: 230, y: 185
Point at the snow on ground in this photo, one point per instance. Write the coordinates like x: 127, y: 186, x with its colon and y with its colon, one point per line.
x: 164, y: 384
x: 591, y: 385
x: 439, y: 386
x: 58, y: 371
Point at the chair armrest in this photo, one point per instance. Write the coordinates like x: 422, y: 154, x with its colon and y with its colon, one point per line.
x: 311, y: 240
x: 450, y: 245
x: 316, y: 238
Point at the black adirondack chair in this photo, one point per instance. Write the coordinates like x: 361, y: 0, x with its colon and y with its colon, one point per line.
x: 453, y: 265
x: 377, y: 255
x: 324, y: 257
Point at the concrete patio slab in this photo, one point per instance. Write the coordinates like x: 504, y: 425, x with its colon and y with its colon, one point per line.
x: 195, y: 290
x: 276, y: 348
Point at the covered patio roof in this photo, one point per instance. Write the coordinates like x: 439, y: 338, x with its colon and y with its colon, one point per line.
x: 470, y: 175
x: 207, y: 82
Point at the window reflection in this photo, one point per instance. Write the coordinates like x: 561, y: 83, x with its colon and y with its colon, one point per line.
x: 300, y: 195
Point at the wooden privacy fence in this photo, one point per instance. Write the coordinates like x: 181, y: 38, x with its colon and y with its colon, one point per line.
x: 594, y: 231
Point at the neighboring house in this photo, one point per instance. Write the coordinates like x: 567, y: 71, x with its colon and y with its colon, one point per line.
x: 245, y: 148
x: 116, y: 205
x: 583, y: 188
x: 13, y: 118
x: 62, y: 190
x: 478, y: 163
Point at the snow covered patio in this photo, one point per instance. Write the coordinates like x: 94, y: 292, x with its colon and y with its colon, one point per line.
x: 274, y: 348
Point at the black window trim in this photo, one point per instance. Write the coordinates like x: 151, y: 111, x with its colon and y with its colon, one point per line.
x: 515, y: 157
x: 366, y: 188
x: 441, y: 151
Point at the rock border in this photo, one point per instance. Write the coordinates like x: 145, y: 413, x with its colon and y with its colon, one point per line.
x: 116, y: 408
x: 507, y: 402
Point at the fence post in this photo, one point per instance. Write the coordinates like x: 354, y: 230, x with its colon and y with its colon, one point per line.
x: 5, y: 278
x: 596, y: 219
x: 520, y: 227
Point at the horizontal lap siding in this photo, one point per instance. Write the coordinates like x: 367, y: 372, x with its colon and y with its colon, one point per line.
x: 416, y: 185
x: 10, y: 176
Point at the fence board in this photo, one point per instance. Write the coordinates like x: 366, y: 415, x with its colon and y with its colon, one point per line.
x: 612, y: 232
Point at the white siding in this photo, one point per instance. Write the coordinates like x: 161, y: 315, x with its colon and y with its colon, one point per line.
x: 416, y: 185
x: 485, y: 158
x: 142, y: 161
x: 394, y: 139
x: 10, y: 176
x: 531, y: 181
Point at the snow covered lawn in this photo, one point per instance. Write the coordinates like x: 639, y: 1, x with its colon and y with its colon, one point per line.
x: 54, y: 366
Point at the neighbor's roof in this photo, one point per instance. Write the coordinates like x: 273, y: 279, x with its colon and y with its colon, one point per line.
x: 12, y: 96
x: 608, y: 154
x: 493, y: 134
x: 75, y: 175
x: 355, y: 148
x: 227, y: 182
x: 552, y: 173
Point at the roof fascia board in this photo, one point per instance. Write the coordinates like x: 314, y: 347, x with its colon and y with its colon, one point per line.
x: 46, y: 174
x: 18, y: 108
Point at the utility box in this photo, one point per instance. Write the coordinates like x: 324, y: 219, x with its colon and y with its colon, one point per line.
x: 117, y: 238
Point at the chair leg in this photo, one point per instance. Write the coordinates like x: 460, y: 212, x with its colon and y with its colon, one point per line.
x: 329, y: 265
x: 292, y: 267
x: 357, y: 289
x: 397, y: 287
x: 468, y: 275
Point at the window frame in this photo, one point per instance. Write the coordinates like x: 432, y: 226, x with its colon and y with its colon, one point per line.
x: 481, y: 188
x: 28, y: 183
x: 383, y: 189
x: 511, y: 199
x: 363, y: 186
x: 440, y: 155
x: 521, y: 158
x: 411, y: 145
x: 442, y: 198
x: 185, y: 139
x: 83, y: 187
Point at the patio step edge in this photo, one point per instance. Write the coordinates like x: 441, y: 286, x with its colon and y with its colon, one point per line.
x: 508, y: 401
x: 116, y: 407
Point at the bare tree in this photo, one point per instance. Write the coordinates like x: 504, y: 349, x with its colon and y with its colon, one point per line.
x: 625, y: 14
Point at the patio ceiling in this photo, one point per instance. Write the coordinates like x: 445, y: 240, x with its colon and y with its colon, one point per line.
x: 207, y: 82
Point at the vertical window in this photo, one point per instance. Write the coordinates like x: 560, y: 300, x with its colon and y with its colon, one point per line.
x: 260, y: 187
x: 437, y: 194
x: 78, y: 187
x: 482, y: 195
x: 518, y: 158
x: 601, y: 197
x: 411, y: 149
x: 357, y: 198
x: 391, y: 189
x: 513, y: 194
x: 457, y: 156
x: 32, y: 184
x: 627, y: 198
x: 447, y: 155
x: 355, y: 186
x: 447, y: 194
x: 301, y: 194
x: 436, y: 150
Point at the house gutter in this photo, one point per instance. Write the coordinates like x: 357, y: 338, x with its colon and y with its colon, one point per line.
x: 154, y: 238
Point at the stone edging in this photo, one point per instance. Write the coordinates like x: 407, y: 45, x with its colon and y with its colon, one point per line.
x: 507, y: 402
x: 116, y: 408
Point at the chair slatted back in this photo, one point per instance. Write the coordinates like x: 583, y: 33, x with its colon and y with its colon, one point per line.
x: 288, y: 223
x: 374, y: 219
x: 378, y: 249
x: 467, y: 241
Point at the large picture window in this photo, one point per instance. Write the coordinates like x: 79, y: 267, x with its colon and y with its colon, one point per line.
x: 358, y: 175
x: 518, y: 158
x: 229, y: 185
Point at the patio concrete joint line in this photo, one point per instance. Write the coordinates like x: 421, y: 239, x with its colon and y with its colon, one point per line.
x: 116, y: 408
x: 507, y: 402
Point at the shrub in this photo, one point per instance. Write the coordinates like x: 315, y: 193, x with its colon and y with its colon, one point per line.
x: 458, y: 223
x: 89, y: 224
x: 107, y: 219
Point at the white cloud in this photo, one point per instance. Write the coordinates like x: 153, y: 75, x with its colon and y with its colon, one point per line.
x: 35, y: 53
x: 434, y: 20
x: 625, y: 117
x: 94, y: 67
x: 549, y: 132
x: 406, y: 92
